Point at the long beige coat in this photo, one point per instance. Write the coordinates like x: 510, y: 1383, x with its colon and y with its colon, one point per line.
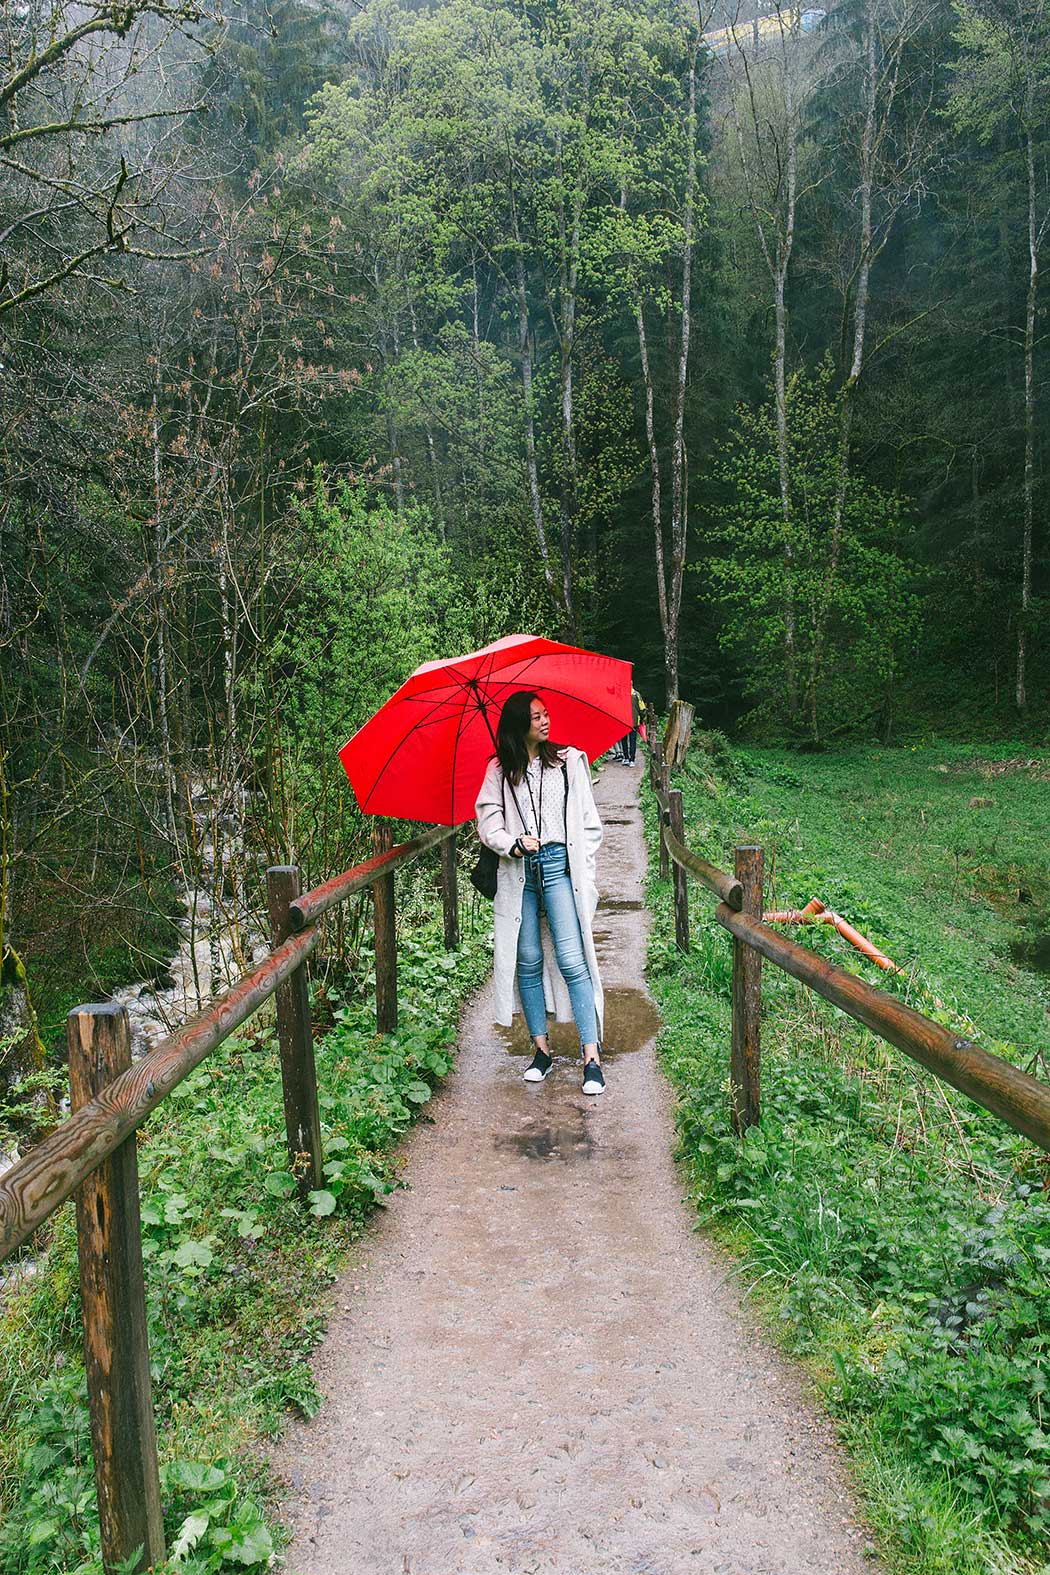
x: 583, y: 836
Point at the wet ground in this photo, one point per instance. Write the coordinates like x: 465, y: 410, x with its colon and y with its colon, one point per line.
x: 536, y: 1367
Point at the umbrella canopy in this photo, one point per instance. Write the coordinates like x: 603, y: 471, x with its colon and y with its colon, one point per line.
x: 424, y: 753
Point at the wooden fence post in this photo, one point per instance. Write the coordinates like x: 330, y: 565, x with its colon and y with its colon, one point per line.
x: 745, y: 1065
x: 679, y: 731
x: 302, y: 1118
x: 679, y: 875
x: 656, y: 753
x: 113, y: 1297
x: 385, y: 936
x: 665, y: 788
x: 450, y: 893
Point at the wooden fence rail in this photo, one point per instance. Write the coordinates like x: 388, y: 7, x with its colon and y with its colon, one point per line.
x: 94, y: 1150
x: 1017, y: 1098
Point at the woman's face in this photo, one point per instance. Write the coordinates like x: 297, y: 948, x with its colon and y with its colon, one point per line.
x: 539, y: 725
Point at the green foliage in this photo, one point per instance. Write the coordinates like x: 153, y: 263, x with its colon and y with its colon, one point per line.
x: 897, y: 1236
x: 370, y: 593
x: 236, y: 1275
x: 367, y: 593
x: 1001, y: 76
x: 272, y: 58
x: 763, y: 571
x: 513, y: 172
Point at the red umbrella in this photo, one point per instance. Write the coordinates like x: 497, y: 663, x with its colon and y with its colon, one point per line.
x: 423, y: 755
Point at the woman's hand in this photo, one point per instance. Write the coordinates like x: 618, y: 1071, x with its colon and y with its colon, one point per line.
x: 529, y: 844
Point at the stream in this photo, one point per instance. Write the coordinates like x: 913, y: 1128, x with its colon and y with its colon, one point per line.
x: 216, y: 946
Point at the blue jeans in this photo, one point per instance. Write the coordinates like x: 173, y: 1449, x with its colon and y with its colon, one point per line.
x: 550, y: 869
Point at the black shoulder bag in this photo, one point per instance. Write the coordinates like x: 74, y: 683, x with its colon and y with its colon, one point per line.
x: 484, y: 875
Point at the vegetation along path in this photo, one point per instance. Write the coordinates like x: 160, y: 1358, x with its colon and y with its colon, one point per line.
x: 536, y: 1365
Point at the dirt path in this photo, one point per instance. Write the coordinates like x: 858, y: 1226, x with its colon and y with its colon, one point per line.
x: 537, y: 1366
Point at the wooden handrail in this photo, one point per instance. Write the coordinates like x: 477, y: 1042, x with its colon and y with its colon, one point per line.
x: 1019, y: 1099
x: 716, y: 880
x: 94, y: 1150
x: 308, y: 908
x: 1016, y: 1097
x: 53, y: 1169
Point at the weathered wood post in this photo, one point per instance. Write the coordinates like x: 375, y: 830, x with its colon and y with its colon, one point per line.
x: 679, y: 731
x: 113, y: 1297
x: 745, y: 1065
x: 385, y: 935
x: 302, y: 1118
x: 450, y: 893
x: 656, y: 755
x: 665, y: 788
x: 681, y: 879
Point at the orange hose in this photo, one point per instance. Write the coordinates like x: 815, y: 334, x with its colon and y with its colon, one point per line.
x: 816, y: 913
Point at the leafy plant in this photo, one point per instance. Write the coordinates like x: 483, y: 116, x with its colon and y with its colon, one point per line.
x: 236, y: 1273
x: 897, y: 1236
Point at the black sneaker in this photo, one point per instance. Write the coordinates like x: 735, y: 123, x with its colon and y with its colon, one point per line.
x: 593, y: 1078
x: 538, y: 1067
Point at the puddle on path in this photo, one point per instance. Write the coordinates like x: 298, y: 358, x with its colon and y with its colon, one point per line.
x: 538, y: 1140
x: 631, y: 1020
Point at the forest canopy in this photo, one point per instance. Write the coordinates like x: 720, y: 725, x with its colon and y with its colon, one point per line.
x: 335, y: 338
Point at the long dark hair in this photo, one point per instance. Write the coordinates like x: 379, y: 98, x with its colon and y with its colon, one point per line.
x: 511, y: 749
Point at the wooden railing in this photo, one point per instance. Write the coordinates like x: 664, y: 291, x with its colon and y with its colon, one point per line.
x: 95, y: 1151
x: 1017, y: 1098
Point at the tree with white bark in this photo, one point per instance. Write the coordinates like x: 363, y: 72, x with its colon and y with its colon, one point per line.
x: 1002, y: 89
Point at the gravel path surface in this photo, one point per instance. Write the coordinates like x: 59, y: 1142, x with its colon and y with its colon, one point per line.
x: 536, y: 1365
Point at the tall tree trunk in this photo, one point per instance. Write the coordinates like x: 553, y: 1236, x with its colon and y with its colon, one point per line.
x: 532, y: 468
x: 568, y: 490
x: 654, y: 468
x: 679, y: 469
x: 860, y: 320
x: 392, y: 437
x: 1021, y: 694
x: 482, y: 440
x: 654, y: 452
x: 428, y: 428
x: 785, y: 243
x: 161, y: 589
x: 780, y: 202
x: 568, y: 277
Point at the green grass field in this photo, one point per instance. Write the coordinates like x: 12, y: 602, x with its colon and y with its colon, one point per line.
x: 896, y: 1236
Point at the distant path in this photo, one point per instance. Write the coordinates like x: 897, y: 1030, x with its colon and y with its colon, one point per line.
x: 537, y: 1366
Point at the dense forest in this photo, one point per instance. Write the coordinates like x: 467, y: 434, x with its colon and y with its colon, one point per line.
x: 335, y: 338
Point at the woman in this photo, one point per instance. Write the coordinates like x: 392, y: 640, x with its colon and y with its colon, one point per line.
x: 537, y: 811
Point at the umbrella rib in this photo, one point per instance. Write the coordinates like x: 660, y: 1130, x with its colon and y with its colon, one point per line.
x: 452, y: 777
x: 463, y: 689
x: 549, y: 689
x: 505, y: 683
x: 416, y: 727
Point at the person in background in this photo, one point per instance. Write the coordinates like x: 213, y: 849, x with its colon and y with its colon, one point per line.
x: 629, y: 743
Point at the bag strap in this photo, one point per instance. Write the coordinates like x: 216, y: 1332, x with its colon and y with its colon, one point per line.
x: 514, y: 796
x: 517, y: 806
